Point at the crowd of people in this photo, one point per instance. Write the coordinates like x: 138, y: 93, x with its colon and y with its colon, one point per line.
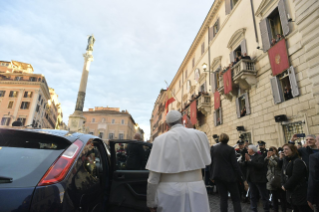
x: 277, y: 39
x: 287, y: 176
x: 237, y: 59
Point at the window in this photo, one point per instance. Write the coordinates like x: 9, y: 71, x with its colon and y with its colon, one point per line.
x: 203, y: 87
x: 93, y: 120
x: 246, y: 137
x: 239, y: 51
x: 18, y: 78
x: 13, y: 94
x: 33, y: 79
x: 27, y: 94
x: 188, y: 85
x: 25, y: 105
x: 185, y: 74
x: 276, y: 23
x: 41, y: 101
x: 10, y: 105
x: 39, y: 97
x: 121, y: 136
x: 242, y: 105
x: 291, y: 129
x: 111, y: 135
x: 113, y: 121
x: 91, y: 133
x: 218, y: 117
x: 122, y: 121
x: 229, y: 5
x: 2, y: 93
x: 193, y: 62
x: 37, y: 109
x: 101, y: 134
x: 22, y: 120
x: 284, y: 86
x: 5, y: 121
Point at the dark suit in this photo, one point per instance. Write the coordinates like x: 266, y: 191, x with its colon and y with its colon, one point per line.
x: 313, y: 180
x: 304, y: 153
x: 225, y: 170
x: 256, y: 178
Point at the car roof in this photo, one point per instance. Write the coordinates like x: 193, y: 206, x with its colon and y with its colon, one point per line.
x: 64, y: 134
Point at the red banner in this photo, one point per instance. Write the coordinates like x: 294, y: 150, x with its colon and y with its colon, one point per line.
x: 228, y: 86
x: 216, y: 100
x: 278, y: 57
x: 171, y: 100
x: 193, y: 109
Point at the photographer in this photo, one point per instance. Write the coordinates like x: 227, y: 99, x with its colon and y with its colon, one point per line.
x: 274, y: 179
x: 294, y: 179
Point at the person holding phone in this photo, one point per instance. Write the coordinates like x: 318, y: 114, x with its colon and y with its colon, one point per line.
x: 274, y: 179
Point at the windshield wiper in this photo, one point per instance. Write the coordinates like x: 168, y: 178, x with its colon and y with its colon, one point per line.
x: 5, y: 179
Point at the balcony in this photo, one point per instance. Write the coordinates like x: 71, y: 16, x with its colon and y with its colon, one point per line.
x: 244, y: 74
x: 204, y: 104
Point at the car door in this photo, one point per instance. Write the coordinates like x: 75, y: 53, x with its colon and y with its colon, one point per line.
x: 129, y: 177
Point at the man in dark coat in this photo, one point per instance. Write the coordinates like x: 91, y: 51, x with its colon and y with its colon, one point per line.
x: 225, y: 172
x: 311, y: 148
x: 262, y: 148
x: 256, y: 178
x: 313, y: 181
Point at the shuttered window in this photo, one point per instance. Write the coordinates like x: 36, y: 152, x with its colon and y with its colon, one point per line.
x: 265, y: 34
x: 228, y: 6
x: 243, y: 47
x: 284, y: 86
x: 203, y: 47
x: 232, y: 56
x: 218, y: 117
x: 242, y: 105
x: 283, y: 17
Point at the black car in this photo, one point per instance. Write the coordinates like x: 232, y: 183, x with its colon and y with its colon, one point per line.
x: 55, y: 170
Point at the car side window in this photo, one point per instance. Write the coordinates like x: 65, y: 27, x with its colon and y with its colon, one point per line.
x: 131, y: 156
x: 93, y: 162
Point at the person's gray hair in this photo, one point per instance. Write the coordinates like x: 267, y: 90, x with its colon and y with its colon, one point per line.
x: 253, y: 147
x: 312, y: 136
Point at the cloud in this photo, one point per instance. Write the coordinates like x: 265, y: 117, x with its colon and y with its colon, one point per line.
x: 139, y: 44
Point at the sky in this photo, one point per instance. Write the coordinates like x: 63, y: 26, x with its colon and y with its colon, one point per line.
x: 139, y: 45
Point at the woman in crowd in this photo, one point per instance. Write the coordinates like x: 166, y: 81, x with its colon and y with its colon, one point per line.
x: 274, y: 179
x: 294, y: 179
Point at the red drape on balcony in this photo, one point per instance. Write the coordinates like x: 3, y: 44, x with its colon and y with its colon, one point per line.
x: 228, y: 86
x: 193, y: 108
x: 216, y: 100
x: 278, y: 57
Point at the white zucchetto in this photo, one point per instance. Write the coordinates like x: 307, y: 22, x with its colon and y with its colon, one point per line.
x: 173, y: 116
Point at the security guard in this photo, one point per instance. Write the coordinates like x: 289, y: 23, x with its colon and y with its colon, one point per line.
x: 262, y: 148
x: 241, y: 146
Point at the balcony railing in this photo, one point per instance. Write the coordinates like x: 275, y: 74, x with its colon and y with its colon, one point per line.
x: 244, y: 74
x: 204, y: 104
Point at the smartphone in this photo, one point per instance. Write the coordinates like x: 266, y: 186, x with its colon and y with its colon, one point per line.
x: 302, y: 135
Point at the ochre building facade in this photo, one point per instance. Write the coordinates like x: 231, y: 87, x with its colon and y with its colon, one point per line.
x: 271, y: 92
x: 25, y: 96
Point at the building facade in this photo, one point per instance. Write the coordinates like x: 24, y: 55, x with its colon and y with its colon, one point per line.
x: 25, y: 96
x: 110, y: 123
x: 271, y: 92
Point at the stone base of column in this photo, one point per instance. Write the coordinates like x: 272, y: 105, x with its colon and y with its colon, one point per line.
x: 76, y: 122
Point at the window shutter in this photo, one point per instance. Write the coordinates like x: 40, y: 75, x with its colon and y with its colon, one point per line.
x: 237, y: 107
x: 283, y: 17
x: 220, y: 115
x: 276, y: 91
x: 217, y: 24
x: 265, y: 34
x: 227, y: 6
x: 205, y: 86
x: 247, y: 104
x: 211, y: 33
x: 243, y: 47
x: 232, y: 57
x: 215, y: 118
x: 214, y: 83
x: 293, y: 82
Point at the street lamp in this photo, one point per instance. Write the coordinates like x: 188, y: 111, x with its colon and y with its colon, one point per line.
x: 205, y: 67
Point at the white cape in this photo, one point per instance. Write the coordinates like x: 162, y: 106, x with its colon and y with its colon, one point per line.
x: 178, y: 150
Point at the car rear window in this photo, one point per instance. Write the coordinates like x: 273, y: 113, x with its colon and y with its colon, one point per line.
x: 25, y: 157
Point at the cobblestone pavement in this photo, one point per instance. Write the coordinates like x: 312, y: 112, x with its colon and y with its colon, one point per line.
x: 214, y: 204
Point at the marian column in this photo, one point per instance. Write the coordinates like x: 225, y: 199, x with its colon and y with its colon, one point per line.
x: 76, y: 120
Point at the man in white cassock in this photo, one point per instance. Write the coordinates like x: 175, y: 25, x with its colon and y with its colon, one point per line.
x: 175, y: 182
